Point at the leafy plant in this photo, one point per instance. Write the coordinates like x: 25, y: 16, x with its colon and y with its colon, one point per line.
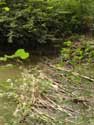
x: 72, y: 54
x: 30, y: 22
x: 20, y: 53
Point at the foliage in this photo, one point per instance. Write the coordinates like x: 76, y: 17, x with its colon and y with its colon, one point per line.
x: 20, y: 53
x: 76, y: 52
x: 39, y: 21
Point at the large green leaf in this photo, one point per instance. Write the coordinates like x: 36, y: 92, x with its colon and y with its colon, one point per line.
x: 22, y: 54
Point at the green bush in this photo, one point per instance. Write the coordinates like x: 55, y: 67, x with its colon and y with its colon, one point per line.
x: 30, y: 22
x: 76, y: 53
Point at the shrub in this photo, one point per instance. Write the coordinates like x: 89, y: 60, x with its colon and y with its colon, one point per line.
x: 76, y: 53
x: 30, y: 22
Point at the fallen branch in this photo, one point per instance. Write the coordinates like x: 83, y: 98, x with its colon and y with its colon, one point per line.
x: 73, y: 73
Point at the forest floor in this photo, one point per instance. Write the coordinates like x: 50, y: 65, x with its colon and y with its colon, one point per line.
x: 42, y: 92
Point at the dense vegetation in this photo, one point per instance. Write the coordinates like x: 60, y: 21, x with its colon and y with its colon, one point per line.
x: 44, y: 92
x: 29, y: 22
x: 52, y: 89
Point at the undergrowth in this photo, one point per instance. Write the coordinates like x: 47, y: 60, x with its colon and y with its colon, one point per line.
x: 50, y: 94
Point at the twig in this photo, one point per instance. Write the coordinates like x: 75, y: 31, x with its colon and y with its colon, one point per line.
x: 74, y: 73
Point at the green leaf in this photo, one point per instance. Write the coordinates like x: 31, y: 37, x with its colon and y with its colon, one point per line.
x: 22, y: 54
x: 7, y: 9
x: 68, y: 43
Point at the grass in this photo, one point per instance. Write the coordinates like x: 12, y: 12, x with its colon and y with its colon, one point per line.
x: 49, y: 94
